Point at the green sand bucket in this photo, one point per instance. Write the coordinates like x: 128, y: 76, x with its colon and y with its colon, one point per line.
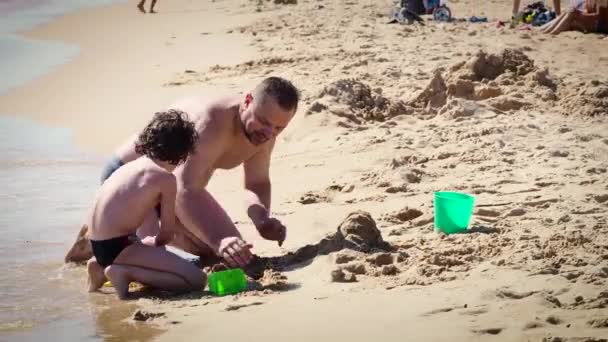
x: 227, y: 282
x: 453, y: 211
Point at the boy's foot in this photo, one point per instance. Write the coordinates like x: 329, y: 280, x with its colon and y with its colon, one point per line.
x: 141, y: 8
x: 96, y: 277
x: 152, y: 11
x: 118, y: 276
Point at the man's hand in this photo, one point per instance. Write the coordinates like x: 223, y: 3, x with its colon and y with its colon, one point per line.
x: 272, y: 229
x: 149, y: 241
x: 235, y: 251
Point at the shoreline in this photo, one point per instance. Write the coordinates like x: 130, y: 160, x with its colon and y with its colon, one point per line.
x: 106, y: 65
x: 529, y: 143
x: 131, y: 82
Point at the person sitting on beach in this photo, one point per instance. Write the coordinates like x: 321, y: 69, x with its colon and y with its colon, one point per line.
x: 233, y: 130
x: 585, y: 16
x: 141, y: 6
x: 124, y: 199
x: 557, y: 6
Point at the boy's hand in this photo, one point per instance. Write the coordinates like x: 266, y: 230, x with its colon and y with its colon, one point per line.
x: 235, y: 251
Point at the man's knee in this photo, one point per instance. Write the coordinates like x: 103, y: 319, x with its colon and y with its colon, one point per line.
x: 81, y: 250
x: 197, y: 279
x: 111, y: 166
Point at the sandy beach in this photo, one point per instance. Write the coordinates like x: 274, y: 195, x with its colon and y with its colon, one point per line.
x: 390, y: 114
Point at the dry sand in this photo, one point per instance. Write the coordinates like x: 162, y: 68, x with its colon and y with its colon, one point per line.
x: 390, y: 114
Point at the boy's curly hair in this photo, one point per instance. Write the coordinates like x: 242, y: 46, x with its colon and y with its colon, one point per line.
x: 169, y: 137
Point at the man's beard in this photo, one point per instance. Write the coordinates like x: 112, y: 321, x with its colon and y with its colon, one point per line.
x: 255, y: 138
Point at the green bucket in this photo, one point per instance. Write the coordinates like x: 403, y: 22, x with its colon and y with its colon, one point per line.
x: 227, y: 282
x: 453, y: 211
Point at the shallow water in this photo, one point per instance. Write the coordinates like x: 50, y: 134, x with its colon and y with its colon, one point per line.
x: 47, y: 187
x: 21, y: 59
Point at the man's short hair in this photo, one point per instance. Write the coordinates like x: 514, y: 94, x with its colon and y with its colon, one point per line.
x: 282, y: 90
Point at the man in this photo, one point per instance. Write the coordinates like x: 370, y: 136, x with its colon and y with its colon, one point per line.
x: 232, y: 131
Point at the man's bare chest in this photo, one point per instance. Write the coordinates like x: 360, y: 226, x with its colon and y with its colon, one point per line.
x: 235, y: 155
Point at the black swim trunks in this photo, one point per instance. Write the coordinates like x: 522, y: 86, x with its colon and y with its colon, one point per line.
x: 106, y: 251
x: 111, y: 166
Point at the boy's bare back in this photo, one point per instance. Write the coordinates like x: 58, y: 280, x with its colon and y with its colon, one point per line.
x: 127, y: 196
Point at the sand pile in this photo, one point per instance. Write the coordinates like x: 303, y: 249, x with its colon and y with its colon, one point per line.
x: 588, y: 99
x: 487, y: 67
x: 350, y: 97
x: 434, y: 95
x: 357, y: 234
x: 505, y: 81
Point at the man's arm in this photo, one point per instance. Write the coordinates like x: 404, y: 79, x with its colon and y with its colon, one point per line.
x: 195, y: 207
x: 167, y: 211
x: 258, y: 194
x: 126, y: 152
x: 257, y: 184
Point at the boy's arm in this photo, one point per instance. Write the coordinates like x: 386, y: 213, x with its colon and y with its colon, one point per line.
x: 167, y: 211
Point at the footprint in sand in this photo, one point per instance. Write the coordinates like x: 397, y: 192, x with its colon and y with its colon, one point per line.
x: 396, y: 189
x: 438, y: 311
x: 533, y: 325
x: 601, y: 198
x: 144, y: 316
x: 474, y: 312
x: 554, y: 320
x: 240, y: 306
x: 559, y: 154
x: 404, y: 215
x: 488, y: 331
x: 516, y: 212
x: 598, y: 322
x: 510, y: 294
x: 311, y: 197
x: 487, y: 213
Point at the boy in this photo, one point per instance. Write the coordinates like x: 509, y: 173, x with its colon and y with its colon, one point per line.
x: 122, y: 202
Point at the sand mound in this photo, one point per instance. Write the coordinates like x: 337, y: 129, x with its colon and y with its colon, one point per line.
x: 506, y: 103
x: 542, y: 78
x: 434, y: 95
x: 481, y: 78
x: 484, y: 92
x: 360, y: 232
x: 458, y: 108
x: 404, y: 215
x: 589, y: 99
x: 358, y: 99
x: 484, y: 66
